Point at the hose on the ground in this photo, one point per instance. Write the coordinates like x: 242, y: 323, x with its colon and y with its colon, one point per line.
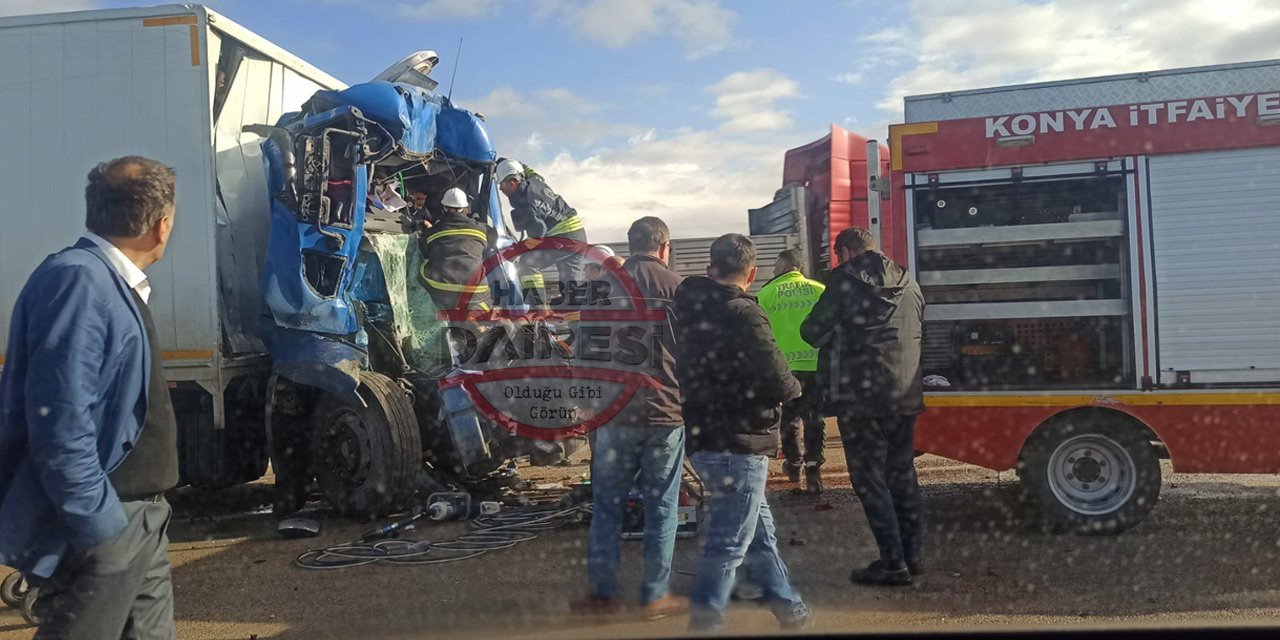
x: 489, y: 533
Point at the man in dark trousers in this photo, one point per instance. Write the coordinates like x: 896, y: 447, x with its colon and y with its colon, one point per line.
x: 787, y: 299
x: 734, y: 381
x: 867, y: 327
x: 88, y: 440
x: 647, y: 437
x: 539, y: 212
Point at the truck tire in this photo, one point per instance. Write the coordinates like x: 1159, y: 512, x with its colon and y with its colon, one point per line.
x: 13, y: 590
x: 367, y: 459
x: 1090, y: 474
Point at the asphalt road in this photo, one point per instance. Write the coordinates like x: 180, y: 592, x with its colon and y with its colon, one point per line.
x: 1206, y: 556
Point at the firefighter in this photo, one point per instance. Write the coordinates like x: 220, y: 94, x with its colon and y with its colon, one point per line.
x: 540, y: 213
x: 453, y: 252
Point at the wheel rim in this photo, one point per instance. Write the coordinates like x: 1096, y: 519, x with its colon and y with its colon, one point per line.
x: 1092, y: 474
x: 345, y: 449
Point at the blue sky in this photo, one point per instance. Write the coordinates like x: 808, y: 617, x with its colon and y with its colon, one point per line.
x: 684, y: 108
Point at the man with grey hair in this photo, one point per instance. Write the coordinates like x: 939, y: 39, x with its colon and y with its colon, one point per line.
x: 643, y: 446
x: 88, y: 439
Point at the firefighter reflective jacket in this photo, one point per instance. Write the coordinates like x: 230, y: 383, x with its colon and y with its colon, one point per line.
x: 787, y: 301
x: 539, y: 212
x: 452, y: 252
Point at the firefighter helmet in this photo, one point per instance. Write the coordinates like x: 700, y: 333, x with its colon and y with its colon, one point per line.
x: 509, y: 168
x: 454, y: 199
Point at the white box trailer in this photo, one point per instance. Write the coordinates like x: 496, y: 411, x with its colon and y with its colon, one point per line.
x: 174, y: 83
x: 689, y: 256
x: 1099, y: 259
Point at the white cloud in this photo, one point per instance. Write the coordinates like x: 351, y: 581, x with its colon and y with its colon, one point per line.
x: 502, y: 102
x: 967, y: 44
x: 746, y: 100
x: 24, y: 7
x: 702, y: 26
x: 558, y: 116
x: 850, y: 77
x: 701, y: 182
x: 447, y: 9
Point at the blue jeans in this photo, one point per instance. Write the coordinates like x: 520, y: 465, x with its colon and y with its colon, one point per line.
x: 739, y: 533
x: 657, y: 453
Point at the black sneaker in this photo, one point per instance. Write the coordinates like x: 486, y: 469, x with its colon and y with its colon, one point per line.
x: 813, y: 480
x: 793, y: 471
x: 875, y: 574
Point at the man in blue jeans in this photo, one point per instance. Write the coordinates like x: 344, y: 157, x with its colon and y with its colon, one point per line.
x: 646, y: 437
x: 734, y: 380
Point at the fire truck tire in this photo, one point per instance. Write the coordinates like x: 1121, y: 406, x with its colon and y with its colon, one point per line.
x: 1090, y: 474
x: 368, y: 459
x: 13, y: 589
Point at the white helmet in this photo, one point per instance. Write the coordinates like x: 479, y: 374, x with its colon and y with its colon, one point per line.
x: 508, y: 168
x: 606, y: 250
x: 454, y: 199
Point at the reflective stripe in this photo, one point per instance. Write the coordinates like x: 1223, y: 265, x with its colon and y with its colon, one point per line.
x: 475, y: 233
x: 445, y: 286
x: 568, y: 225
x: 535, y: 281
x: 457, y: 288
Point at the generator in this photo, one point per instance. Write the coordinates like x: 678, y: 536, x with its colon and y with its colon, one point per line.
x: 687, y: 515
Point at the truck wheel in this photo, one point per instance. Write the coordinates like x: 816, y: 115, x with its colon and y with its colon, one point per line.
x: 367, y: 459
x: 1090, y: 474
x: 13, y: 589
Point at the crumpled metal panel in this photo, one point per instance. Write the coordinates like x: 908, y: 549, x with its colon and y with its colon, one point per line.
x: 316, y: 360
x: 460, y: 134
x: 292, y: 301
x: 407, y: 112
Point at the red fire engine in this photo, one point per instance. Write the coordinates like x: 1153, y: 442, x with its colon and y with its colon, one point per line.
x: 1099, y: 261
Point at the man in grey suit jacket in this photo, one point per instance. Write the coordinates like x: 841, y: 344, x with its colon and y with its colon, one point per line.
x: 88, y: 440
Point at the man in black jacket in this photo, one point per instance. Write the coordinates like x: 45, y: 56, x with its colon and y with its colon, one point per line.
x: 734, y: 381
x: 868, y: 327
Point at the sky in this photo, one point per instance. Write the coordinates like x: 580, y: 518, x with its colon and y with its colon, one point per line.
x: 683, y: 109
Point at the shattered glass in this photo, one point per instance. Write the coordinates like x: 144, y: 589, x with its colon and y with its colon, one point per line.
x: 419, y: 331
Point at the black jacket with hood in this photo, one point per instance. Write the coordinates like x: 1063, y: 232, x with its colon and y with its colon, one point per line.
x: 868, y: 327
x: 731, y: 373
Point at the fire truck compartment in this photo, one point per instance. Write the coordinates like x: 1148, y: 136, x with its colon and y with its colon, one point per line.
x: 1026, y: 281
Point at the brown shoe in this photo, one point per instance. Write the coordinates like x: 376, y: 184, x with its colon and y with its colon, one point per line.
x: 665, y: 607
x: 595, y: 606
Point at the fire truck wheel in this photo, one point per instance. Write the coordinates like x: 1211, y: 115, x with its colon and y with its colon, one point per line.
x: 13, y: 589
x: 1090, y: 474
x: 367, y: 459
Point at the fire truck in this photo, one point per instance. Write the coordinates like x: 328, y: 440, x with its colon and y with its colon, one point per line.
x: 1099, y: 262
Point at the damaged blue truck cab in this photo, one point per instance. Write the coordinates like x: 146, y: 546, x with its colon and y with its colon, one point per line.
x: 357, y: 349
